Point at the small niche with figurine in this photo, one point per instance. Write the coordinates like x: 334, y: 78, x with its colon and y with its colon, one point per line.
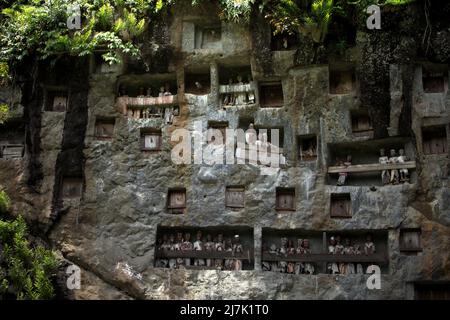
x: 374, y: 162
x: 198, y: 82
x: 236, y: 86
x: 208, y: 36
x: 298, y: 251
x: 284, y: 41
x: 56, y: 100
x: 149, y: 97
x: 205, y: 248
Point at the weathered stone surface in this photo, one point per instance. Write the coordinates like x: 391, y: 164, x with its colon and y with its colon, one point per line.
x: 125, y: 192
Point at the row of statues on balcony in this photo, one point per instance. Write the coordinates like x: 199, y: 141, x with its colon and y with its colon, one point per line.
x: 182, y: 242
x: 238, y: 98
x: 336, y: 247
x: 392, y: 176
x: 147, y: 93
x: 287, y: 249
x: 168, y: 113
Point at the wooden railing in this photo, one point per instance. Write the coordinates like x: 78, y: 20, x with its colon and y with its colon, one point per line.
x: 236, y: 88
x: 379, y: 258
x: 372, y: 167
x: 204, y: 254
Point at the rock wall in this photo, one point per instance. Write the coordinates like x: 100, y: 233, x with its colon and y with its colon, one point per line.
x: 125, y: 190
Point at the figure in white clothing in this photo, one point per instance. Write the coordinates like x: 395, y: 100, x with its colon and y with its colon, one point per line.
x: 403, y: 172
x: 385, y: 177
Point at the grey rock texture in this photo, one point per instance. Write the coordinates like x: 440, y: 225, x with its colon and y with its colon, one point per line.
x: 125, y: 190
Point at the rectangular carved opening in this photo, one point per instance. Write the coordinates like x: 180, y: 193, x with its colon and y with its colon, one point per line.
x: 434, y: 77
x: 361, y: 124
x: 285, y: 199
x: 236, y: 86
x: 176, y: 201
x: 432, y: 290
x: 434, y: 140
x: 271, y: 95
x: 151, y: 139
x: 410, y: 240
x: 284, y: 41
x: 307, y: 147
x: 224, y: 248
x: 222, y: 126
x: 56, y: 100
x: 72, y: 187
x: 342, y: 80
x: 12, y: 140
x: 104, y: 128
x: 234, y: 197
x: 208, y: 37
x: 340, y: 205
x: 198, y: 83
x: 299, y: 251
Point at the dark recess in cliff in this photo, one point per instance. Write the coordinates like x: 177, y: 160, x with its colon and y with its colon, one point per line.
x: 70, y: 161
x: 260, y: 31
x: 156, y: 49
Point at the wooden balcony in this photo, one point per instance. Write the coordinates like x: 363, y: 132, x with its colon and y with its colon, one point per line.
x: 126, y: 102
x: 236, y: 88
x: 358, y: 168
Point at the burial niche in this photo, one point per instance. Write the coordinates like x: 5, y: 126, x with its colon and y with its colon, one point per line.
x: 212, y: 248
x: 104, y: 128
x: 56, y: 100
x: 198, y: 83
x: 271, y: 95
x: 176, y: 201
x: 12, y: 140
x: 285, y: 199
x: 236, y: 86
x: 208, y: 36
x: 234, y: 197
x: 432, y: 290
x: 434, y: 140
x: 340, y: 205
x: 410, y: 240
x: 434, y: 78
x: 307, y: 147
x: 342, y: 79
x: 149, y: 96
x: 284, y: 41
x: 222, y: 126
x: 151, y: 139
x: 72, y: 188
x: 361, y: 124
x: 296, y: 251
x: 372, y: 162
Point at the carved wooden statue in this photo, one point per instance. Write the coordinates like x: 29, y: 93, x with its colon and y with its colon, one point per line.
x: 394, y: 172
x: 385, y: 177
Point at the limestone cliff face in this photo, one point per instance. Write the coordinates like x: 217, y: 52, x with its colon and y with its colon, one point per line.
x: 125, y: 190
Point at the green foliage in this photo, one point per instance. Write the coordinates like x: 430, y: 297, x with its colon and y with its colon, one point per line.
x: 24, y: 270
x: 38, y: 28
x: 4, y: 113
x: 4, y: 202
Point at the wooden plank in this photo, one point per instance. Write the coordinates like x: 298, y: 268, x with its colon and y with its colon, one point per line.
x: 164, y: 254
x: 372, y: 167
x: 375, y: 258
